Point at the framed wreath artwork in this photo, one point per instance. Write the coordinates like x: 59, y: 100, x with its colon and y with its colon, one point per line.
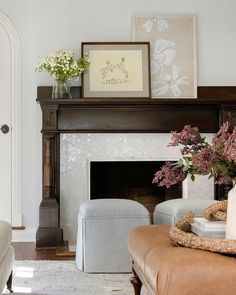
x: 117, y: 70
x: 173, y: 53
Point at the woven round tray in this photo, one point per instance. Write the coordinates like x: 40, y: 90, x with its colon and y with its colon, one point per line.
x: 216, y: 211
x: 181, y: 234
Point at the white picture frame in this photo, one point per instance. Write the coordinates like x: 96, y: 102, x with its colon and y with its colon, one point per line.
x: 173, y: 53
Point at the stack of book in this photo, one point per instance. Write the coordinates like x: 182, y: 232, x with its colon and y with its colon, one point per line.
x: 206, y: 228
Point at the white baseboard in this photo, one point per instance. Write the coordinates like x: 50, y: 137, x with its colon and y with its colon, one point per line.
x: 24, y: 235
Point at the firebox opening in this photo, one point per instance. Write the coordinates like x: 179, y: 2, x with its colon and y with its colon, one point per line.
x: 130, y: 180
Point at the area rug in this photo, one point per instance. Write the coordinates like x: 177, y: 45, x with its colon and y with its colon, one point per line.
x: 62, y: 277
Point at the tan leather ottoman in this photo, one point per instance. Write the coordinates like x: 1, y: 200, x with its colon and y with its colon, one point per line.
x: 169, y: 270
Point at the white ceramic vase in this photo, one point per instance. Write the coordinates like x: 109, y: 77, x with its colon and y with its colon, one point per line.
x: 231, y: 215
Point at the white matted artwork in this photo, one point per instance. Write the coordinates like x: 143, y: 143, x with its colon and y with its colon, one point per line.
x: 117, y: 69
x: 173, y: 53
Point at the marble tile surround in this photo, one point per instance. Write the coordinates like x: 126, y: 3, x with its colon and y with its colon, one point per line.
x: 78, y: 149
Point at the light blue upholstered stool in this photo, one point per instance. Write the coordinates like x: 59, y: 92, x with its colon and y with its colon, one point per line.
x: 103, y: 227
x: 168, y: 212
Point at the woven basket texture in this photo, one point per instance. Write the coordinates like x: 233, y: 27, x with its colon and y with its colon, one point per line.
x: 181, y: 234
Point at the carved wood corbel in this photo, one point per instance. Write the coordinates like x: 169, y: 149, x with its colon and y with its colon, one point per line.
x: 228, y: 114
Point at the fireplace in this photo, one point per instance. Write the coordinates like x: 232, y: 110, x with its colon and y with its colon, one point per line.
x: 77, y: 116
x: 130, y: 180
x: 80, y: 152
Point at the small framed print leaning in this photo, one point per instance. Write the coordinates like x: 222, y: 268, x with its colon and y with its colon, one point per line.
x: 173, y: 53
x: 117, y: 70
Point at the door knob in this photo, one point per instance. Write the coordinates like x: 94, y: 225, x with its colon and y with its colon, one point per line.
x: 5, y: 128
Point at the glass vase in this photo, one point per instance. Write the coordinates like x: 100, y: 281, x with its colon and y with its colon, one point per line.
x: 231, y: 215
x: 61, y: 90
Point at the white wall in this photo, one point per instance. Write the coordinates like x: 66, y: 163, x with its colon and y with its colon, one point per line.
x: 48, y: 25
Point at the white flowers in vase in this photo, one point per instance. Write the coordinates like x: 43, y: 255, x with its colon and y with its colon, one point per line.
x: 62, y: 66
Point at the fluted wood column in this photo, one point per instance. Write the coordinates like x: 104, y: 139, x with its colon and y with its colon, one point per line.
x: 49, y: 233
x: 227, y: 114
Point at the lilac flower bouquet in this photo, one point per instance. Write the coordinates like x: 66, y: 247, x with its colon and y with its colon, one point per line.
x: 201, y: 158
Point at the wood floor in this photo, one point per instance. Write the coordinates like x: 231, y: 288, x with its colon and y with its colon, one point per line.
x: 27, y: 251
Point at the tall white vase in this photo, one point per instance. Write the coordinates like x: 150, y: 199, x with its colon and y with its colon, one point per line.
x: 231, y: 215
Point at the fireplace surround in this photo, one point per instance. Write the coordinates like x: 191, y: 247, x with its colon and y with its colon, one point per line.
x: 124, y: 166
x: 213, y: 106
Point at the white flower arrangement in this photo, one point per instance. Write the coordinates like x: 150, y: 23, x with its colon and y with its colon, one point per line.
x: 62, y: 66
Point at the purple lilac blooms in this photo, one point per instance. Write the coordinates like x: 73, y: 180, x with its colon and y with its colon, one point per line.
x: 199, y: 157
x: 204, y: 160
x: 168, y: 175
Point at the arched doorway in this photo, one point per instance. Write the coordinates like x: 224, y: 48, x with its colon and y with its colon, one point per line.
x: 10, y: 123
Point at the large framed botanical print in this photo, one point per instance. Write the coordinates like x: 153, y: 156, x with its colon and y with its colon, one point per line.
x: 173, y: 53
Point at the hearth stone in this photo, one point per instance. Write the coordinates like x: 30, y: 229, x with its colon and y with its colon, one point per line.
x: 79, y: 149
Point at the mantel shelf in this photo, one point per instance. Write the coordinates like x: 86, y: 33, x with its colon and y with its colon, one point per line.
x: 206, y: 95
x: 135, y: 115
x: 95, y: 102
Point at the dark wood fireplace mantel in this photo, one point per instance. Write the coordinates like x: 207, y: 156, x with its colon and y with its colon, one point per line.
x: 213, y: 106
